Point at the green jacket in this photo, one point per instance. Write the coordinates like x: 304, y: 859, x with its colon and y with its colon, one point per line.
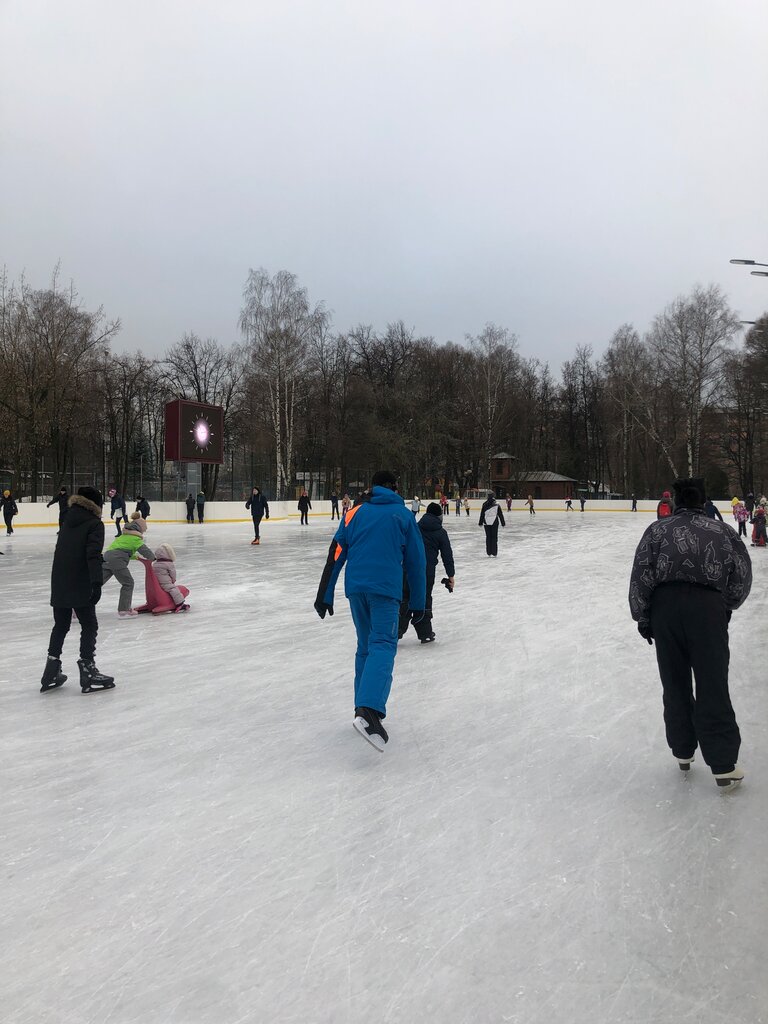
x: 132, y: 542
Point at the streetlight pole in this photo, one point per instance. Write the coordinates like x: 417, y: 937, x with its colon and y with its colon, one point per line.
x: 752, y: 263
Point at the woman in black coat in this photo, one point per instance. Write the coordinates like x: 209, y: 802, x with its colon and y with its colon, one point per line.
x: 76, y: 586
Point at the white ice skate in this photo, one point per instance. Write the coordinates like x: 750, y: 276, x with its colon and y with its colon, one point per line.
x: 727, y: 781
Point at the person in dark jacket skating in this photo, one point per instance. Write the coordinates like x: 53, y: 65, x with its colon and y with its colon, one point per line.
x: 689, y: 574
x: 304, y: 506
x: 117, y: 509
x: 143, y: 507
x: 200, y: 502
x: 190, y: 503
x: 711, y: 511
x: 10, y: 509
x: 375, y: 539
x: 749, y: 501
x: 334, y: 505
x: 436, y: 544
x: 76, y: 586
x: 257, y: 503
x: 61, y: 500
x: 490, y: 517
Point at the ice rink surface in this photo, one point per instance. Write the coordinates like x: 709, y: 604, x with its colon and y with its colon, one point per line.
x: 212, y: 842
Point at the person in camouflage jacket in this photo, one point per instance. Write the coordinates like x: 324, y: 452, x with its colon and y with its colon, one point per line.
x: 689, y: 574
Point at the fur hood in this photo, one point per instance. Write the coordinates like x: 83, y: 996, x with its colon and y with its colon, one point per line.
x: 86, y: 503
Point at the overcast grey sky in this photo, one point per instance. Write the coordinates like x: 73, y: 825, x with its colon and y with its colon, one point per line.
x: 556, y: 167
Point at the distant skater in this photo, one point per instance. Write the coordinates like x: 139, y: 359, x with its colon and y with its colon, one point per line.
x: 689, y: 575
x: 467, y: 506
x: 334, y: 505
x: 529, y: 503
x: 711, y: 510
x: 143, y: 507
x: 190, y: 503
x: 346, y: 504
x: 200, y: 502
x: 416, y: 505
x: 61, y: 499
x: 259, y: 507
x: 508, y: 500
x: 634, y: 504
x: 582, y: 502
x: 304, y: 506
x: 10, y: 509
x: 458, y: 505
x: 117, y: 510
x: 490, y: 517
x: 741, y: 516
x: 664, y: 507
x: 569, y: 505
x: 444, y: 504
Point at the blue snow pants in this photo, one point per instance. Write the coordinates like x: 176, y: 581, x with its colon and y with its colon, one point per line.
x: 375, y: 618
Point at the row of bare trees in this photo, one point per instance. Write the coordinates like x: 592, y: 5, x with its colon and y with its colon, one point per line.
x: 681, y: 399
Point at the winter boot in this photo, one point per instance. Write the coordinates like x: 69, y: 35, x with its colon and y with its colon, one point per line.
x: 368, y: 724
x: 428, y: 639
x: 180, y: 608
x: 92, y: 680
x: 52, y: 675
x: 729, y: 780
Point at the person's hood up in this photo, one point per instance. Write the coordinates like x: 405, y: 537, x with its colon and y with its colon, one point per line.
x: 666, y: 494
x: 80, y: 501
x: 383, y: 496
x: 431, y: 523
x: 137, y: 526
x: 433, y: 509
x: 164, y: 552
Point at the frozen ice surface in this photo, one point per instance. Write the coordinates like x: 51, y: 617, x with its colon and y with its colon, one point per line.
x: 213, y: 843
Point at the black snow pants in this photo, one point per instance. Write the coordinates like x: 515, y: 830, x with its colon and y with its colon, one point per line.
x: 334, y: 510
x: 690, y: 629
x: 424, y: 627
x: 200, y: 512
x: 492, y: 539
x: 8, y: 523
x: 89, y: 627
x: 256, y: 523
x: 742, y: 528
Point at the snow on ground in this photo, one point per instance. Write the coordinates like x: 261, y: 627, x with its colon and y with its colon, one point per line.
x: 212, y: 842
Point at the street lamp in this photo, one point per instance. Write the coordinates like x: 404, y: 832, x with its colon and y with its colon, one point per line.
x: 760, y: 273
x: 749, y: 263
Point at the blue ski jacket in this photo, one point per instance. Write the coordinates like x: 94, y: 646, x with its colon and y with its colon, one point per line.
x: 376, y: 540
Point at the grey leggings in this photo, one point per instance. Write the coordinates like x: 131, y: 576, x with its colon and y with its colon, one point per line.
x: 123, y: 576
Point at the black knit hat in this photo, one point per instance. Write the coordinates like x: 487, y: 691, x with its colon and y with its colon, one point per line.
x: 690, y: 493
x: 433, y: 509
x: 92, y: 494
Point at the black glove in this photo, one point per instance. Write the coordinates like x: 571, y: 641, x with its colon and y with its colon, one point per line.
x: 644, y: 629
x: 447, y: 584
x: 417, y: 616
x: 321, y: 608
x: 95, y: 593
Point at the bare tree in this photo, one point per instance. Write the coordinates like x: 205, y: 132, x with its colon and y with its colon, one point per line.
x: 278, y: 324
x: 689, y: 340
x: 494, y: 370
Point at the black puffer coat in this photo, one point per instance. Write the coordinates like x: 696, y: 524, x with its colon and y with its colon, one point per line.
x: 77, y: 561
x: 258, y: 505
x: 436, y: 543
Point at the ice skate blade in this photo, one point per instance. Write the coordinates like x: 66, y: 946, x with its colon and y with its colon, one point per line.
x: 376, y: 741
x: 53, y: 686
x: 728, y: 785
x: 97, y: 689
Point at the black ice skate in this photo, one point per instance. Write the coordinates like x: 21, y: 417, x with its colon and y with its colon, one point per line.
x: 685, y: 763
x: 92, y: 680
x: 428, y: 639
x: 729, y: 780
x: 368, y: 724
x: 53, y: 677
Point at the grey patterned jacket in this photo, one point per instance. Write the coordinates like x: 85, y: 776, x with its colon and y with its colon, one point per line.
x: 688, y: 547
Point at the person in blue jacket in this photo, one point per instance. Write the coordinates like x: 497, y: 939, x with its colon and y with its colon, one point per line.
x: 375, y: 540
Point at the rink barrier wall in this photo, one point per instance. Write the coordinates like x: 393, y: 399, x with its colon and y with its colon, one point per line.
x: 36, y: 514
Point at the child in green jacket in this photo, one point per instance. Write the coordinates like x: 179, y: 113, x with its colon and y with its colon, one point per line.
x: 130, y: 544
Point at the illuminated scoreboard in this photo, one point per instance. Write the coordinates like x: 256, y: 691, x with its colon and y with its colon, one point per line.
x: 194, y: 432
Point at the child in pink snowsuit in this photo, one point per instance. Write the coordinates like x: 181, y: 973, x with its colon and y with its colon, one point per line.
x: 164, y: 568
